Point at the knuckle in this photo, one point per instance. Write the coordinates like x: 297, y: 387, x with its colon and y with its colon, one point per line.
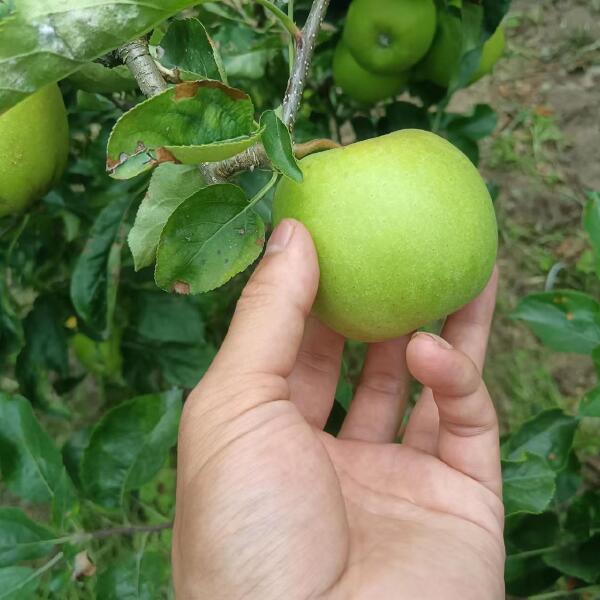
x: 320, y: 362
x: 257, y: 293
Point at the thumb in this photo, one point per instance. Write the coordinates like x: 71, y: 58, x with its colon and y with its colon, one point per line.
x: 268, y: 324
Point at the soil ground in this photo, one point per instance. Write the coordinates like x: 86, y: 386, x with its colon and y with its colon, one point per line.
x: 544, y: 156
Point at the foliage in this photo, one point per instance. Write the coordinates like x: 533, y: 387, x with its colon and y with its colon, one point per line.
x: 86, y: 449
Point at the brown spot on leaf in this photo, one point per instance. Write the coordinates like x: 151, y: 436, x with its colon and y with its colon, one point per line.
x: 163, y: 155
x: 141, y: 147
x: 113, y: 163
x: 570, y: 316
x: 190, y: 88
x: 181, y: 287
x: 260, y: 242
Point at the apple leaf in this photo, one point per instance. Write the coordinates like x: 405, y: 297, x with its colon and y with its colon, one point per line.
x: 43, y: 41
x: 21, y: 538
x: 277, y: 141
x: 209, y: 238
x: 529, y: 485
x: 96, y: 273
x: 590, y: 403
x: 129, y: 446
x: 187, y: 48
x: 565, y: 320
x: 95, y: 78
x: 190, y: 123
x: 170, y: 185
x: 18, y: 583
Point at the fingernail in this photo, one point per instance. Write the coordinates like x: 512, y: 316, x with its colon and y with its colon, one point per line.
x: 281, y: 236
x: 436, y: 338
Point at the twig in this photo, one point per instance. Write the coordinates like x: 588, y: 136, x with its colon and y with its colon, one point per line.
x: 127, y: 530
x: 284, y: 19
x: 304, y: 53
x: 563, y: 593
x: 142, y: 66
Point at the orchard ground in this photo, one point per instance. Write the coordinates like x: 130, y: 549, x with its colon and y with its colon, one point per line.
x: 544, y: 157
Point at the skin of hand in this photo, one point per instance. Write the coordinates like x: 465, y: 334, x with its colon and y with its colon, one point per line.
x: 271, y: 507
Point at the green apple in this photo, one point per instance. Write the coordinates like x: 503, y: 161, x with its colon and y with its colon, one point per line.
x: 389, y: 36
x: 442, y: 61
x: 404, y: 229
x: 34, y: 145
x: 360, y: 84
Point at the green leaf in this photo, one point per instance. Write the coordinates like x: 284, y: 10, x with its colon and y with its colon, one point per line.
x: 211, y: 236
x: 129, y: 446
x: 548, y: 435
x: 528, y: 575
x: 569, y: 479
x: 525, y: 532
x: 529, y: 485
x: 479, y: 124
x: 581, y: 561
x: 583, y: 515
x: 170, y: 185
x: 21, y: 538
x: 95, y: 78
x: 137, y: 577
x: 18, y: 583
x: 43, y: 42
x: 31, y: 465
x: 245, y: 51
x: 277, y: 141
x: 45, y: 350
x: 190, y: 123
x: 590, y: 403
x: 565, y: 320
x: 591, y: 223
x: 164, y: 318
x: 187, y: 48
x: 95, y: 276
x: 493, y: 13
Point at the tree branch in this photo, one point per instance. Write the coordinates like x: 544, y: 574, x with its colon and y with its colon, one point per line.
x: 137, y: 57
x: 127, y: 530
x: 304, y: 54
x: 305, y: 46
x: 142, y: 66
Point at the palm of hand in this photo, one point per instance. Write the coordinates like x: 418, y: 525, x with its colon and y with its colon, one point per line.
x: 270, y: 506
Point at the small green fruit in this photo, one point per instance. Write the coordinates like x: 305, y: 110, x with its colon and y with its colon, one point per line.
x: 389, y: 36
x: 360, y: 84
x: 404, y: 228
x: 34, y: 145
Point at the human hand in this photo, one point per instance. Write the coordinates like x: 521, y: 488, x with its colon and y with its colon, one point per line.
x: 270, y: 506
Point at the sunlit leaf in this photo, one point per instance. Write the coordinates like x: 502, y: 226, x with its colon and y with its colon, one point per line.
x: 210, y: 237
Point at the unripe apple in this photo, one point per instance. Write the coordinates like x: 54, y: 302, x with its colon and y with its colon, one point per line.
x: 404, y: 228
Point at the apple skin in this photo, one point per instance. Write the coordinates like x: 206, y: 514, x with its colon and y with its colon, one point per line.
x: 404, y: 228
x: 389, y: 36
x: 34, y: 147
x: 362, y: 85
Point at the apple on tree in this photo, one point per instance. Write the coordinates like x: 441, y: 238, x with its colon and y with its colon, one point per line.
x: 404, y: 228
x: 34, y: 147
